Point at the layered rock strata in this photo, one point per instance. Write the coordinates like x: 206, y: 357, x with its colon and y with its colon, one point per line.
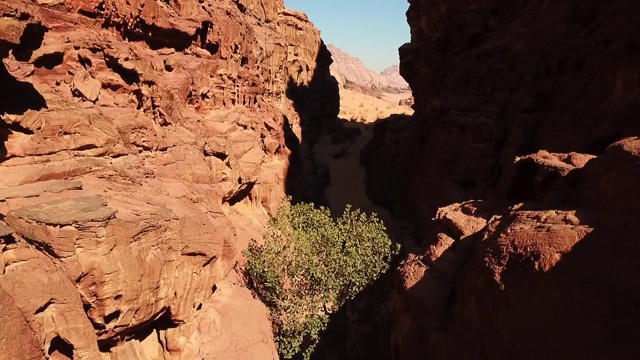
x: 142, y: 145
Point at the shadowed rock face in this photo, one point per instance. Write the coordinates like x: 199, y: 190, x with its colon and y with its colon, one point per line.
x: 141, y: 148
x: 494, y: 80
x: 394, y: 79
x: 517, y: 169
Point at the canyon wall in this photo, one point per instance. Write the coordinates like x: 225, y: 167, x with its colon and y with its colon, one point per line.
x: 142, y: 145
x: 519, y: 170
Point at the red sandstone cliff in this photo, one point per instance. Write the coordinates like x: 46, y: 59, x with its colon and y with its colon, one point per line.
x: 520, y: 171
x: 142, y: 144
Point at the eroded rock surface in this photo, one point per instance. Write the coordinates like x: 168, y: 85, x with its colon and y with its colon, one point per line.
x: 519, y: 169
x: 142, y: 145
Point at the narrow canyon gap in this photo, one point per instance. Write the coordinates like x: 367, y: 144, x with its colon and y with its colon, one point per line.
x: 144, y: 143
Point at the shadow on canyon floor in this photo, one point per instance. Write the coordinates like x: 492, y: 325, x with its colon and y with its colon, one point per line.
x: 317, y: 105
x: 327, y: 145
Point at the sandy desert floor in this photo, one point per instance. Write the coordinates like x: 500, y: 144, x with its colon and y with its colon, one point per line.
x: 347, y: 175
x: 356, y: 106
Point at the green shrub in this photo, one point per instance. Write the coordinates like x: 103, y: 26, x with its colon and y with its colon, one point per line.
x: 310, y: 265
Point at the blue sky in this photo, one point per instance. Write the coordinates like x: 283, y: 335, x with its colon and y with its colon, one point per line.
x: 371, y: 30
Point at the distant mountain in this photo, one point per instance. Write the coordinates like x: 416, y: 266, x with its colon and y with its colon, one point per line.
x: 393, y: 77
x: 351, y: 72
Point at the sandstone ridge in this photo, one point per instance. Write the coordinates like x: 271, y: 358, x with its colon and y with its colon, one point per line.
x: 142, y: 145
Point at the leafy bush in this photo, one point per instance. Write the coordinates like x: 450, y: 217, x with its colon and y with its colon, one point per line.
x: 310, y: 265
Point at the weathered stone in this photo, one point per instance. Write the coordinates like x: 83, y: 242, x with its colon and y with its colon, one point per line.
x: 49, y: 303
x: 5, y: 230
x: 86, y: 86
x: 57, y: 50
x: 610, y: 181
x: 35, y: 189
x: 463, y: 219
x: 67, y: 211
x: 18, y: 340
x: 219, y: 331
x: 11, y: 30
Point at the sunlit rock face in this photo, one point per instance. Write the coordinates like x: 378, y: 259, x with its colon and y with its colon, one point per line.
x: 518, y: 168
x: 352, y: 73
x: 141, y: 147
x: 394, y: 79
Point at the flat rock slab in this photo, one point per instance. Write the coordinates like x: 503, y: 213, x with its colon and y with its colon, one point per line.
x: 5, y: 230
x: 67, y: 211
x: 35, y: 189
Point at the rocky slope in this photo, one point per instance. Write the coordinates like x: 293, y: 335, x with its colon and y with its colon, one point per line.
x: 352, y: 73
x: 394, y: 79
x: 519, y: 170
x: 142, y: 145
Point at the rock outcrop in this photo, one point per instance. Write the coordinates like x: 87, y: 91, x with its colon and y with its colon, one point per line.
x: 519, y: 169
x: 142, y: 145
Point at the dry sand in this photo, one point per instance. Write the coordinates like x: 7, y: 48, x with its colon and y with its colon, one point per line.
x: 356, y: 106
x: 347, y: 175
